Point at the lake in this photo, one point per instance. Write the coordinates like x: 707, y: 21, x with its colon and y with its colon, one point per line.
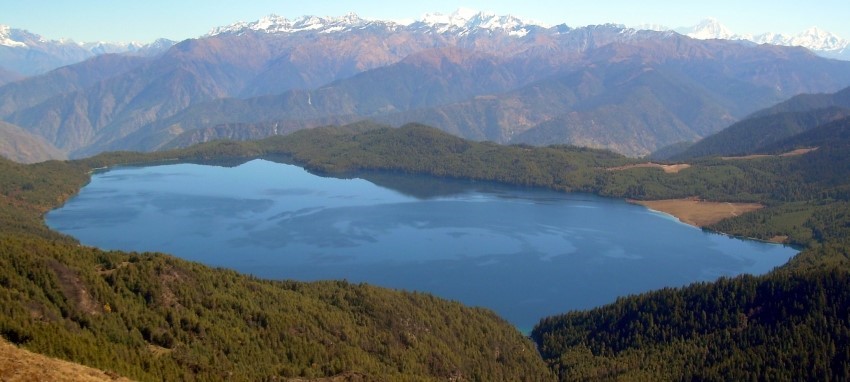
x: 525, y: 253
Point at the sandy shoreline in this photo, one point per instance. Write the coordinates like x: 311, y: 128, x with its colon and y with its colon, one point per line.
x: 697, y: 212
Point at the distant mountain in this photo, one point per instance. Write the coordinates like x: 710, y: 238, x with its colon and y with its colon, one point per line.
x: 477, y: 75
x: 426, y: 79
x: 29, y: 54
x: 631, y: 106
x: 460, y: 23
x: 37, y: 89
x: 765, y: 130
x: 131, y: 48
x: 819, y: 41
x: 20, y: 146
x: 627, y: 106
x: 708, y: 29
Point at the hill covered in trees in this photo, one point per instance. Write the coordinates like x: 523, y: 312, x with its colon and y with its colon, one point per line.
x: 766, y: 128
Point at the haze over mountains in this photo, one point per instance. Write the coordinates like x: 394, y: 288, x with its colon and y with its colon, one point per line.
x: 476, y: 75
x: 822, y: 42
x: 23, y: 53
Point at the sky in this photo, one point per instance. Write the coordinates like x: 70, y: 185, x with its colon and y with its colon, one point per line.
x: 145, y: 21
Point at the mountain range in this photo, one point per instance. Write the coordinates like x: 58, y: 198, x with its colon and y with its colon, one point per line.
x: 822, y: 42
x: 476, y: 75
x: 23, y: 53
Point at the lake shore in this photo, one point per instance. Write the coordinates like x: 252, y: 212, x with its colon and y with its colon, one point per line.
x: 698, y: 212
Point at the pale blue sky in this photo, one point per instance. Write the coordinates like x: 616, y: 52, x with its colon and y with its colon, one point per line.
x: 118, y: 20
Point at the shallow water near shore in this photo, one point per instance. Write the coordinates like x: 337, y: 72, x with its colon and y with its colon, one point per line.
x: 525, y: 253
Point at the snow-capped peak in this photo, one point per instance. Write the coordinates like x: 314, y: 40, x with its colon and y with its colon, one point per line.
x: 277, y: 24
x: 707, y: 29
x: 464, y: 21
x: 6, y: 38
x: 461, y: 22
x: 816, y: 39
x: 458, y: 18
x: 19, y: 38
x: 651, y: 27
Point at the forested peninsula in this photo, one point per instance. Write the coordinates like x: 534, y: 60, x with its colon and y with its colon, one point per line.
x: 152, y: 316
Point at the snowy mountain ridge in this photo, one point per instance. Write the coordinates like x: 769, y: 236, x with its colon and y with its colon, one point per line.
x: 461, y: 22
x: 26, y: 53
x: 464, y: 22
x: 19, y: 38
x: 6, y: 38
x: 814, y: 38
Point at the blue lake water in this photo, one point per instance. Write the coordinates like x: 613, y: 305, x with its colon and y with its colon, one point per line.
x: 525, y: 253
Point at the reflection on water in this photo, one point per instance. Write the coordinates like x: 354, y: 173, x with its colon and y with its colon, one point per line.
x: 524, y: 253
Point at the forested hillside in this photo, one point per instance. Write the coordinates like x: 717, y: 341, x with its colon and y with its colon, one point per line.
x: 776, y: 327
x: 762, y: 132
x: 755, y: 135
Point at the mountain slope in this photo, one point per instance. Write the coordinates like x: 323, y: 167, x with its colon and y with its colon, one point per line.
x: 753, y: 135
x: 37, y: 89
x: 772, y: 125
x: 424, y: 79
x: 807, y: 102
x: 17, y: 364
x: 20, y: 146
x: 7, y: 76
x: 835, y: 133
